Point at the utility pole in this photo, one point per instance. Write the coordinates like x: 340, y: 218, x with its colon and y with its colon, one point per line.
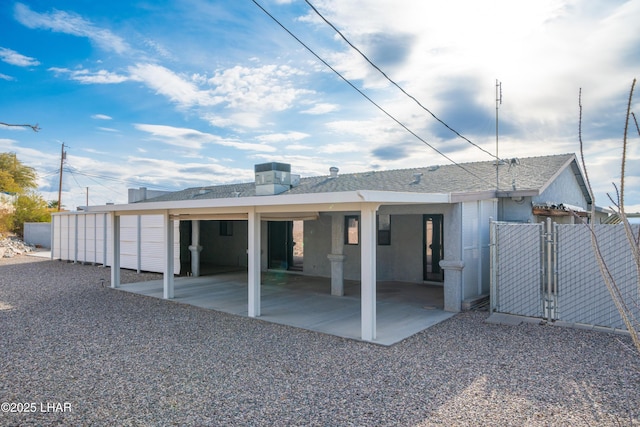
x: 63, y: 155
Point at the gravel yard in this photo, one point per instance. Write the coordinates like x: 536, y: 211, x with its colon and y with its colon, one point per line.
x: 85, y: 354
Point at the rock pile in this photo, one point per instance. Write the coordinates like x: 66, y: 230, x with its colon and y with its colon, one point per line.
x: 12, y: 246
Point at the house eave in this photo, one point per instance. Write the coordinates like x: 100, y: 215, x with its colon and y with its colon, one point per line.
x: 347, y: 200
x: 518, y: 193
x: 472, y: 196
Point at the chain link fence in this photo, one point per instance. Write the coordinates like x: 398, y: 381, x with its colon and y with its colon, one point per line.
x: 552, y: 273
x: 517, y: 269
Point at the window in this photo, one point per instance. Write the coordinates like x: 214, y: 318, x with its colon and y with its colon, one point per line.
x: 226, y: 228
x: 384, y: 229
x: 351, y: 230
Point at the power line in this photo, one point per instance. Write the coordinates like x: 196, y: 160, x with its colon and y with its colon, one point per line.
x: 123, y: 181
x: 396, y: 84
x: 363, y: 94
x: 73, y: 173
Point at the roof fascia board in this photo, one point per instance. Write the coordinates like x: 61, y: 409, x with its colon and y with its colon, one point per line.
x: 518, y: 193
x: 294, y: 216
x: 318, y: 207
x: 209, y: 217
x: 473, y: 196
x: 581, y: 181
x: 400, y: 197
x: 265, y: 203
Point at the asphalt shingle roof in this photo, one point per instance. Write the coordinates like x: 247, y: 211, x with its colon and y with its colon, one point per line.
x: 531, y: 173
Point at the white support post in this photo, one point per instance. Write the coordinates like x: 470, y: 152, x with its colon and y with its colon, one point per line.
x: 68, y: 238
x: 167, y: 276
x: 254, y: 264
x: 75, y: 238
x: 368, y: 271
x: 195, y: 248
x: 104, y: 241
x: 95, y: 239
x: 84, y: 246
x: 139, y: 244
x: 115, y: 250
x: 337, y: 256
x: 52, y: 236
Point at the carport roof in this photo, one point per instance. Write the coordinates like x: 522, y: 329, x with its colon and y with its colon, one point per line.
x: 526, y: 176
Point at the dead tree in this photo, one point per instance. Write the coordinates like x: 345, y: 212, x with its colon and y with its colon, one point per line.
x: 627, y: 306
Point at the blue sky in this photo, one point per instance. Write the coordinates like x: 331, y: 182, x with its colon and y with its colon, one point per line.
x: 183, y: 93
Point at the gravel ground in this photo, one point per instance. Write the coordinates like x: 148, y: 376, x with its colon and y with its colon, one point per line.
x: 106, y: 357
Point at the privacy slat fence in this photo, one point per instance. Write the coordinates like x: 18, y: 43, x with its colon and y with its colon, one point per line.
x: 84, y: 237
x: 549, y: 271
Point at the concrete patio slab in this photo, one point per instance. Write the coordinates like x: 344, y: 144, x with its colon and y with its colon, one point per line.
x: 403, y: 309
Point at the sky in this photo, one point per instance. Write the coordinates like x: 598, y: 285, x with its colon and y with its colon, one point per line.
x: 171, y: 94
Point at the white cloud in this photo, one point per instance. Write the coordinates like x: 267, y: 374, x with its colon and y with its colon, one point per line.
x: 246, y: 94
x: 186, y: 174
x: 283, y: 137
x: 6, y: 143
x: 542, y: 51
x: 341, y: 148
x: 265, y: 88
x: 167, y: 83
x: 191, y: 138
x: 299, y: 147
x: 70, y: 23
x: 5, y: 77
x: 158, y: 48
x: 15, y: 127
x: 101, y: 117
x: 94, y: 151
x: 321, y: 108
x: 91, y: 77
x: 14, y: 58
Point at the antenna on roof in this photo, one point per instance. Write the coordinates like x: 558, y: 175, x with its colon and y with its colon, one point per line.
x: 498, y: 103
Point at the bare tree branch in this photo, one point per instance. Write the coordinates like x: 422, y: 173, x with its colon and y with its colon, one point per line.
x: 35, y: 127
x: 624, y: 303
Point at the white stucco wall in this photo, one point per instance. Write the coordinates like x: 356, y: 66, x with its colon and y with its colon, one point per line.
x: 37, y: 234
x: 565, y: 189
x: 402, y: 260
x: 475, y: 246
x: 515, y: 211
x: 224, y: 250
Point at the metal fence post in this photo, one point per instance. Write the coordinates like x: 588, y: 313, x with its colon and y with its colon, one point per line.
x: 493, y: 267
x: 556, y: 288
x: 549, y: 270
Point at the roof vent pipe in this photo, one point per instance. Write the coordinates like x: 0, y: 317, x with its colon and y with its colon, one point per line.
x: 333, y: 172
x: 416, y: 177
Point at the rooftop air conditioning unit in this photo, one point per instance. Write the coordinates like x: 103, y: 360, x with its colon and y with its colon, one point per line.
x: 272, y: 178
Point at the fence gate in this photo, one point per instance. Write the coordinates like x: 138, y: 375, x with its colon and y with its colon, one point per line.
x: 517, y: 269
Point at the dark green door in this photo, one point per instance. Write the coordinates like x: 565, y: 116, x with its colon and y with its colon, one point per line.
x: 280, y: 244
x: 433, y: 250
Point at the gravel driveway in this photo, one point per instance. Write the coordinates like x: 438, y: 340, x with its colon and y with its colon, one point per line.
x: 75, y: 352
